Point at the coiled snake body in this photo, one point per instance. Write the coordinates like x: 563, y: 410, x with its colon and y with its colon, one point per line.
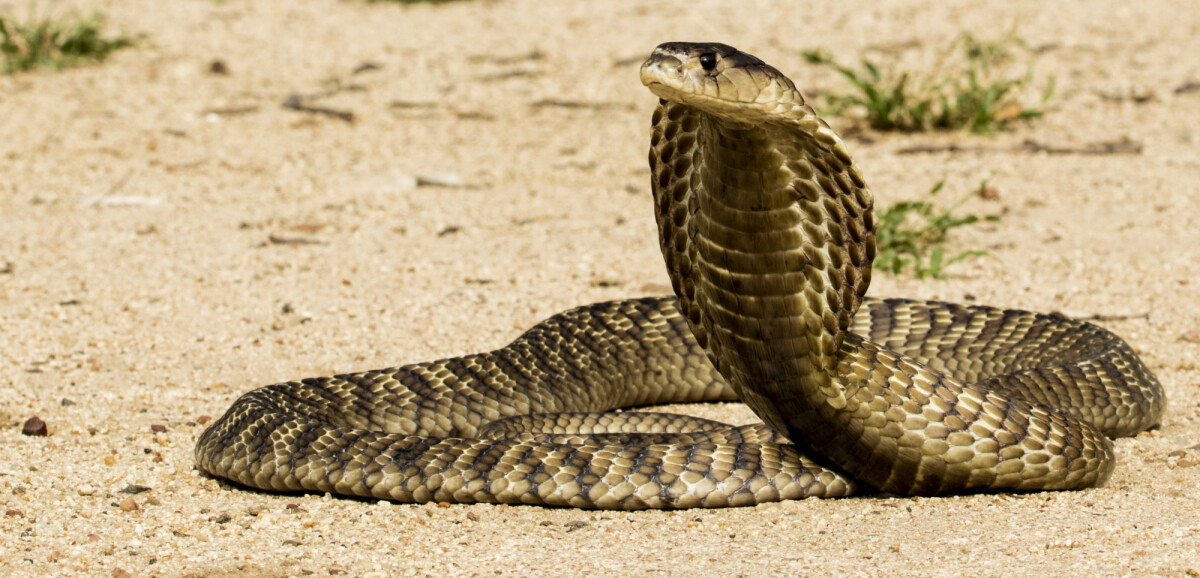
x: 766, y: 228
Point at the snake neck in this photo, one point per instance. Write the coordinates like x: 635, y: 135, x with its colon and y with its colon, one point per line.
x: 767, y: 232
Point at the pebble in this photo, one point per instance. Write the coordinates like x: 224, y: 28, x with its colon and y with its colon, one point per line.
x: 134, y: 489
x: 442, y: 179
x: 204, y: 419
x: 34, y: 426
x: 16, y: 513
x: 129, y: 505
x: 158, y: 428
x: 86, y: 490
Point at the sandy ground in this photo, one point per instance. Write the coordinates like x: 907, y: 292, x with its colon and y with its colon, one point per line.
x: 172, y: 237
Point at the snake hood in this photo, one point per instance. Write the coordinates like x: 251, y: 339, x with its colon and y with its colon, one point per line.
x: 764, y: 221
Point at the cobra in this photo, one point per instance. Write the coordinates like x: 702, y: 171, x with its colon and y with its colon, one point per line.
x: 765, y: 225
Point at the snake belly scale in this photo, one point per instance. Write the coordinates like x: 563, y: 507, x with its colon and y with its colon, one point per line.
x: 765, y: 225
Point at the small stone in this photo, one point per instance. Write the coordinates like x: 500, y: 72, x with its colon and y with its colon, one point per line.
x: 110, y: 461
x: 158, y: 428
x: 34, y: 426
x: 546, y: 523
x: 86, y: 490
x: 134, y: 489
x: 442, y: 179
x: 443, y: 504
x: 93, y: 537
x: 152, y: 501
x: 1185, y: 463
x: 65, y: 402
x: 14, y: 513
x: 472, y: 516
x: 204, y: 419
x: 256, y: 510
x: 223, y: 519
x: 575, y: 525
x: 121, y: 573
x: 129, y: 505
x: 293, y: 543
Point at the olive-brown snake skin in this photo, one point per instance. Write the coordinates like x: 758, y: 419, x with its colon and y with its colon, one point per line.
x: 766, y: 228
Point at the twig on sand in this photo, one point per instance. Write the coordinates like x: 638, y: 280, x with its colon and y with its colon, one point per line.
x: 1121, y: 146
x: 277, y: 240
x: 296, y: 102
x: 1109, y: 316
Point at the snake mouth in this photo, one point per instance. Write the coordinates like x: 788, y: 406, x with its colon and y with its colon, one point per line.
x: 662, y: 90
x: 716, y: 106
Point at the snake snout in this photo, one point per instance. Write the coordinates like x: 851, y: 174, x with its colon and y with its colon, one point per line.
x: 661, y: 67
x: 663, y: 76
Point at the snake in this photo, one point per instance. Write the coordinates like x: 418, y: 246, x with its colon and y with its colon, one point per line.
x: 766, y: 226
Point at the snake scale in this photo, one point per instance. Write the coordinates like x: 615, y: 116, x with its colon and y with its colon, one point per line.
x: 765, y: 224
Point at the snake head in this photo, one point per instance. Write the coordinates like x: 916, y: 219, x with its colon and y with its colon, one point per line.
x: 719, y: 79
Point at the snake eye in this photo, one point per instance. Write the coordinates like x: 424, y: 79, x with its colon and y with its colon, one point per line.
x: 708, y: 61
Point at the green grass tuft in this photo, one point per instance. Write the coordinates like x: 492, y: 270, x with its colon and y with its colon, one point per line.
x: 53, y: 44
x: 911, y: 234
x: 975, y: 93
